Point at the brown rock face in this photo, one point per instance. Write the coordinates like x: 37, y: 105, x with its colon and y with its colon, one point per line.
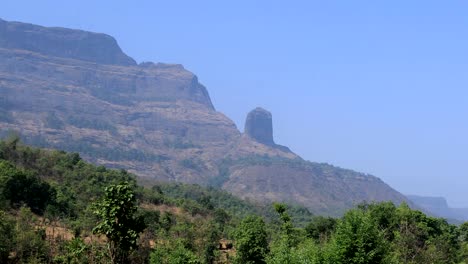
x: 156, y: 120
x: 259, y: 126
x: 77, y: 91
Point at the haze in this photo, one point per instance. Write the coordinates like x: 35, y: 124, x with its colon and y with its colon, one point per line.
x: 375, y: 87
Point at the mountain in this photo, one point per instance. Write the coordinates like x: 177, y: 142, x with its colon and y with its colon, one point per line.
x: 439, y: 207
x: 78, y: 91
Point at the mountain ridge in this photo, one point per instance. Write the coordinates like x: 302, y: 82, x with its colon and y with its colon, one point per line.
x: 78, y: 44
x: 157, y: 121
x: 439, y: 207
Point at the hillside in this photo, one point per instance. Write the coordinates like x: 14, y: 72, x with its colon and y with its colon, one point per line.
x: 70, y: 177
x: 51, y: 205
x: 52, y: 196
x: 77, y: 91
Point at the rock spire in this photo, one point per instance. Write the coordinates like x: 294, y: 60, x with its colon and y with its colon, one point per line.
x: 259, y: 126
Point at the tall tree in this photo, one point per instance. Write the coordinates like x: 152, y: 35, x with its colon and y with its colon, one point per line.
x: 118, y: 222
x: 251, y: 241
x: 281, y: 248
x: 357, y: 240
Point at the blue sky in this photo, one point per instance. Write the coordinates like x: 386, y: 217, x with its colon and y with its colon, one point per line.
x: 375, y: 86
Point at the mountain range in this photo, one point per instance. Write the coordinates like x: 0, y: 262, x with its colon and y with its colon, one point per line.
x: 78, y: 91
x: 439, y: 207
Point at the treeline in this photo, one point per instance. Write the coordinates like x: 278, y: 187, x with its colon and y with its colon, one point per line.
x: 189, y: 195
x: 57, y: 208
x: 370, y: 233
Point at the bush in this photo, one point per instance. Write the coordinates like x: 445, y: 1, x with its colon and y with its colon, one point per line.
x: 7, y: 236
x: 22, y: 187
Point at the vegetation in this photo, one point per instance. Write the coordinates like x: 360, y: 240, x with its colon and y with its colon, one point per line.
x: 251, y: 241
x: 92, y: 124
x: 56, y: 208
x: 118, y: 222
x: 210, y: 197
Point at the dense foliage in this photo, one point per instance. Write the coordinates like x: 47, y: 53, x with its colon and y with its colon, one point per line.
x: 51, y: 201
x: 251, y: 241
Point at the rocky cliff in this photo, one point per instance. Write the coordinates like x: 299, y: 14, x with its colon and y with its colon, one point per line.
x: 78, y: 91
x: 62, y: 42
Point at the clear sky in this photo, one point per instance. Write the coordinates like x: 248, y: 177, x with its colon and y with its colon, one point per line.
x: 376, y: 86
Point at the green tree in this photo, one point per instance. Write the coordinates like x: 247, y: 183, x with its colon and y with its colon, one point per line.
x: 7, y: 236
x: 118, y: 222
x: 320, y: 228
x: 384, y: 216
x: 251, y: 241
x: 281, y: 249
x: 30, y: 243
x: 463, y: 232
x: 287, y: 226
x: 74, y: 252
x: 357, y: 240
x: 308, y: 253
x: 173, y: 253
x: 423, y: 239
x: 22, y: 187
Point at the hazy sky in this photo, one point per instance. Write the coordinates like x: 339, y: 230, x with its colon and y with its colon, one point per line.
x: 376, y: 86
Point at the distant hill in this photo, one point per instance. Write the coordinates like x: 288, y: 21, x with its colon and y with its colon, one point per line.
x: 439, y: 207
x: 77, y: 91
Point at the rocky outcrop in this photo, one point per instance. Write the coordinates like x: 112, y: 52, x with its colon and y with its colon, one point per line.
x: 259, y: 126
x: 77, y: 91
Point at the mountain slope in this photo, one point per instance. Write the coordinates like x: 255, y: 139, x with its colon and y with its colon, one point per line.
x: 78, y: 91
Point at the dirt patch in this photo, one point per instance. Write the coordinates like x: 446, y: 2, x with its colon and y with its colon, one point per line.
x: 162, y: 208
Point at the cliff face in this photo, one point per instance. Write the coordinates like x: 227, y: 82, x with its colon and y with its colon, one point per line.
x: 62, y: 42
x: 147, y: 118
x: 78, y: 91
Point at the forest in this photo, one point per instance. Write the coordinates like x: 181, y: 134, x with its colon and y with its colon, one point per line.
x: 57, y: 208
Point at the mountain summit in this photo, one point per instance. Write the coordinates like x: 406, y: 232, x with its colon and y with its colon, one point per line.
x: 77, y: 91
x: 63, y: 42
